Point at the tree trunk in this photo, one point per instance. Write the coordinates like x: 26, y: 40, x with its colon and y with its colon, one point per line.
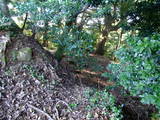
x: 108, y: 27
x: 100, y: 49
x: 108, y: 20
x: 119, y: 41
x: 45, y: 36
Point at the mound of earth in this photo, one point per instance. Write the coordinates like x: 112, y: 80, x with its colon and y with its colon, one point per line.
x: 41, y: 89
x: 38, y: 88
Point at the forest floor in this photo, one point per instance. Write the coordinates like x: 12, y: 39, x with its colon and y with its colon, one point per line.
x: 92, y: 77
x: 36, y: 90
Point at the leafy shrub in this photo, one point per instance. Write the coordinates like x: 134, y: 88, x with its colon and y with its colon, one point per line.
x: 4, y: 22
x: 34, y: 73
x: 139, y: 68
x: 112, y: 44
x: 3, y: 19
x: 68, y: 39
x: 103, y: 103
x: 76, y: 44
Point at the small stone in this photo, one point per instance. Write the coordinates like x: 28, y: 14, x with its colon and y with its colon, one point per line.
x: 24, y: 54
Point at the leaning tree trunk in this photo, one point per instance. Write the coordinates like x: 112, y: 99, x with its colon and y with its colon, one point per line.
x: 100, y: 49
x: 45, y: 35
x: 108, y: 21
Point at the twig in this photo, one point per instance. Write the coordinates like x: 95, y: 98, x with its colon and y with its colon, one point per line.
x: 61, y: 101
x: 25, y: 20
x: 82, y: 87
x: 40, y: 111
x: 55, y: 107
x: 57, y: 114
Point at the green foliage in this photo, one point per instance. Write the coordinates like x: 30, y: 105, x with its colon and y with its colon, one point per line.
x: 155, y: 116
x: 112, y: 44
x: 4, y: 22
x: 76, y: 44
x: 59, y: 53
x: 3, y: 19
x: 139, y: 68
x: 103, y: 101
x: 69, y: 39
x: 34, y: 73
x: 73, y: 105
x: 95, y: 2
x: 144, y: 18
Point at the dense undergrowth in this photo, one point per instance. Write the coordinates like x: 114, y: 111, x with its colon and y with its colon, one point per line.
x: 138, y: 69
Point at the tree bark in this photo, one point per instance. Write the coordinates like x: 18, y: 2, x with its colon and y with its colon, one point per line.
x: 45, y: 35
x: 109, y: 19
x: 100, y: 49
x: 119, y: 41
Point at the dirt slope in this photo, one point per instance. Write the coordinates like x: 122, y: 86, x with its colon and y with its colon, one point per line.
x: 43, y: 90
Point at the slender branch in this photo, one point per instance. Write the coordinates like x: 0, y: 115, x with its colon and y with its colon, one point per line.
x: 83, y: 21
x: 83, y: 10
x: 116, y: 27
x: 61, y: 101
x: 25, y: 20
x: 75, y: 15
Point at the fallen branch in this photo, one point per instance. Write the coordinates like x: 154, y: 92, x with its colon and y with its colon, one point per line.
x: 57, y: 114
x: 55, y: 107
x: 40, y: 111
x: 61, y: 101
